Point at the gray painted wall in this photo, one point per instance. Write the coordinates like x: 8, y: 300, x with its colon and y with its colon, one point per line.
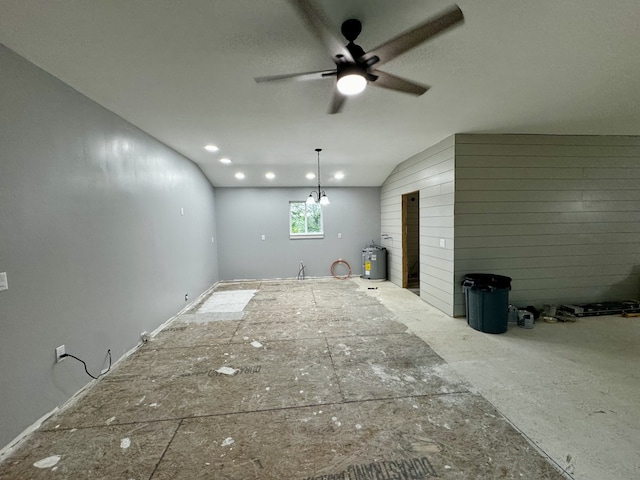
x: 245, y: 214
x: 558, y: 214
x: 432, y: 173
x: 91, y: 237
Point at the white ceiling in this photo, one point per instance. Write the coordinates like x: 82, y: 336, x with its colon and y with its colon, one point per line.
x: 183, y: 72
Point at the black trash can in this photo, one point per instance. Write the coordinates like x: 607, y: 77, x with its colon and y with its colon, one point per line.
x: 487, y: 301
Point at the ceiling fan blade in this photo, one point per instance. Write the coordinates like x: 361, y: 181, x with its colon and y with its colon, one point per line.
x: 321, y: 28
x: 337, y: 102
x: 411, y: 38
x: 386, y: 80
x: 319, y: 75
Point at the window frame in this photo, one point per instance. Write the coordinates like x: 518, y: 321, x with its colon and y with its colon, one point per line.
x: 306, y: 235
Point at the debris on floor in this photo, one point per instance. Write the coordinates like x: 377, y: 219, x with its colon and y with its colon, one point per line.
x: 344, y: 391
x: 227, y: 370
x: 47, y: 462
x: 602, y: 308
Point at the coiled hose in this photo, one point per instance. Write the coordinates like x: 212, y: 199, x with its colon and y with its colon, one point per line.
x: 339, y: 262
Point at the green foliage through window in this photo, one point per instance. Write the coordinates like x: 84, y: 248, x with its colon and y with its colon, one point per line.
x: 305, y: 219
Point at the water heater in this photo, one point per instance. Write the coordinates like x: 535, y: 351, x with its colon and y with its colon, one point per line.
x: 374, y: 263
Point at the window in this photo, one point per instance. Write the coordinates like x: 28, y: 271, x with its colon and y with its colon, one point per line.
x: 305, y: 220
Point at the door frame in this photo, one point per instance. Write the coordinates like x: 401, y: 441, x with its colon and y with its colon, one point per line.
x: 405, y: 241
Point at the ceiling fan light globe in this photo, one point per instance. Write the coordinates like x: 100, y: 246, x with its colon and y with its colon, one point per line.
x: 351, y: 84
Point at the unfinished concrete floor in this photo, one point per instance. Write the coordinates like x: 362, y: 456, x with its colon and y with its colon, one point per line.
x: 572, y: 388
x: 319, y: 379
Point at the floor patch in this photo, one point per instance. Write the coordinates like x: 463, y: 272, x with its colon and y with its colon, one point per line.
x: 226, y: 301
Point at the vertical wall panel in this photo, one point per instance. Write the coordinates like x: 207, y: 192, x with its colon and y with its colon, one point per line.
x: 431, y: 173
x: 558, y: 214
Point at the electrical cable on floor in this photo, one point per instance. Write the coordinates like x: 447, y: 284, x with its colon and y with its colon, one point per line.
x: 301, y: 271
x: 85, y: 365
x: 339, y: 262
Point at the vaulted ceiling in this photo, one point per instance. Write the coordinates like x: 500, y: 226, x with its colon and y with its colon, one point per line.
x: 183, y: 71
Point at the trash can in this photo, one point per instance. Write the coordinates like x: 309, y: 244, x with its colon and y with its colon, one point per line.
x: 487, y: 301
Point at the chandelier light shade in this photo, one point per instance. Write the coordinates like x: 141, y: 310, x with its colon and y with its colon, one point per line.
x: 318, y: 196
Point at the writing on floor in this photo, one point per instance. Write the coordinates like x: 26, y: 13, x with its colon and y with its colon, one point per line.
x: 411, y: 469
x: 174, y: 329
x: 213, y: 373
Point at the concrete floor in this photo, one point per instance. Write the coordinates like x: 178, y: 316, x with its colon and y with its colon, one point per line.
x: 328, y: 379
x: 572, y: 388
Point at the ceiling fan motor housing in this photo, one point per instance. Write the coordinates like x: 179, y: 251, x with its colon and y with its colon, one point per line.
x: 351, y: 29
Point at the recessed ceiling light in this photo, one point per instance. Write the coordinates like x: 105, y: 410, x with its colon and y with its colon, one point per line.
x: 239, y: 175
x: 311, y: 176
x: 270, y: 175
x: 339, y: 176
x: 225, y: 160
x: 211, y: 148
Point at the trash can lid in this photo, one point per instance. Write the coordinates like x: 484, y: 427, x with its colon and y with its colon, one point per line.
x: 486, y: 280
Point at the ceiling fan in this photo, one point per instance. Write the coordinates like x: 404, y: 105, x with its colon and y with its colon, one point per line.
x: 356, y: 68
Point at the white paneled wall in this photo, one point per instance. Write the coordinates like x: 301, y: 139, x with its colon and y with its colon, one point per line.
x: 431, y: 173
x: 558, y: 214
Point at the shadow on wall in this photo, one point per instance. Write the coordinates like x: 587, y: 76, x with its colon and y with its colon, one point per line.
x: 627, y: 289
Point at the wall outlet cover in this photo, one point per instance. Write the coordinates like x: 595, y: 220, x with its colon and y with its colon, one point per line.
x: 59, y: 352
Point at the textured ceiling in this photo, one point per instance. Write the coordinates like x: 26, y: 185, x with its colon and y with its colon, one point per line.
x: 183, y: 72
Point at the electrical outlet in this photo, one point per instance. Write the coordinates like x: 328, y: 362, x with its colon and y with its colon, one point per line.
x: 144, y: 337
x: 186, y: 297
x: 60, y: 351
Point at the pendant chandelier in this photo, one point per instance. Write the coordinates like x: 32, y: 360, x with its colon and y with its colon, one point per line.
x: 318, y: 196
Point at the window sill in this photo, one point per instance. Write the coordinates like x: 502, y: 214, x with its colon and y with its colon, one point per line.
x: 306, y: 236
